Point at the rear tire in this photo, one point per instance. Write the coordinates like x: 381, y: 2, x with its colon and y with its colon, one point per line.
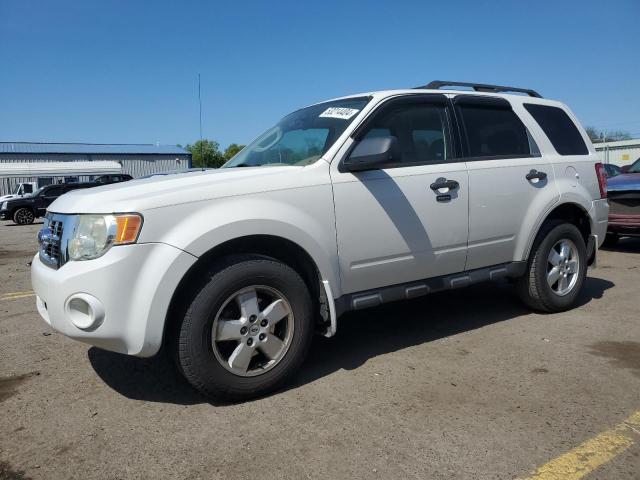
x: 23, y: 216
x: 556, y: 269
x: 218, y: 350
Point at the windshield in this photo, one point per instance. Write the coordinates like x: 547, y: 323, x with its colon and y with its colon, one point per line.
x: 635, y: 168
x: 302, y: 137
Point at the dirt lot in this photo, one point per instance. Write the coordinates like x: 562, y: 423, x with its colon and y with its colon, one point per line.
x: 465, y: 384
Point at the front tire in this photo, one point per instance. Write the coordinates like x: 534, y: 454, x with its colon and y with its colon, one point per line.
x: 23, y: 216
x: 247, y: 331
x: 556, y: 269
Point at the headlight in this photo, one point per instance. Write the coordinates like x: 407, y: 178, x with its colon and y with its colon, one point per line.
x: 4, y: 206
x: 94, y: 235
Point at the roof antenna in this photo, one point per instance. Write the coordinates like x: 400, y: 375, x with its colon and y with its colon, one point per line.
x: 200, y: 104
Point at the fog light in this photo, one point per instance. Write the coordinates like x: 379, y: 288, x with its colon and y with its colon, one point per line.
x: 85, y: 311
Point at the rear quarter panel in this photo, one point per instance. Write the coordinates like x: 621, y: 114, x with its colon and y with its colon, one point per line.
x: 575, y: 177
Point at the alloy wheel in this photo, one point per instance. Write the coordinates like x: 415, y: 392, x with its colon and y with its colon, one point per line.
x: 563, y: 267
x: 252, y: 331
x: 24, y: 216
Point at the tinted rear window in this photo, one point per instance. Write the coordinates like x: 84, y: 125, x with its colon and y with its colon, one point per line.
x: 494, y: 131
x: 560, y: 129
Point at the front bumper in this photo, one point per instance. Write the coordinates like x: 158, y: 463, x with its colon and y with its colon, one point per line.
x: 131, y: 287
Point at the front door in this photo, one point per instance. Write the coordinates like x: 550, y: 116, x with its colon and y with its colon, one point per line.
x: 402, y: 222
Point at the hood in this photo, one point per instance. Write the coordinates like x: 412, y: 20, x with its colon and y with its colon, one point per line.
x: 624, y: 182
x: 7, y: 197
x: 165, y: 190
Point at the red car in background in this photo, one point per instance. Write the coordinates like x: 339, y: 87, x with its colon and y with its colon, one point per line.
x: 623, y: 192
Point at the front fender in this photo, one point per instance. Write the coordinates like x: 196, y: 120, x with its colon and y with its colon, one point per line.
x: 303, y: 216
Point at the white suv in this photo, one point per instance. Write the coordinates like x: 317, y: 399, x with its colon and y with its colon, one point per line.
x: 343, y: 205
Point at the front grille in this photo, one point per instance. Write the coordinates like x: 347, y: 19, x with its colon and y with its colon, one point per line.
x: 52, y: 240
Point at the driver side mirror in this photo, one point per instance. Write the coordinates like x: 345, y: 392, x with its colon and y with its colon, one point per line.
x: 371, y: 154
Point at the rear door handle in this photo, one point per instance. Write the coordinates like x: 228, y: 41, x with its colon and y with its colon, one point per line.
x: 535, y: 174
x: 444, y: 183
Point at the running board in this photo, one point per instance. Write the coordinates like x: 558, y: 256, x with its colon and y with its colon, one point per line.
x: 405, y: 291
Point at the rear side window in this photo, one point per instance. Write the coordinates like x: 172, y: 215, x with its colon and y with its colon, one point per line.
x: 560, y: 129
x: 492, y: 129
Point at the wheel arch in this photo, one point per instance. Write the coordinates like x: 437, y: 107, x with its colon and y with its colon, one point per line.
x: 573, y: 213
x: 266, y: 245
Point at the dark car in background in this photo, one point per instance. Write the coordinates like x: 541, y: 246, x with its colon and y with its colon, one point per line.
x: 112, y: 178
x: 623, y: 192
x: 25, y: 210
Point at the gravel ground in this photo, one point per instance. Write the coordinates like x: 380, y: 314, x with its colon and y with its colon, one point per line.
x: 464, y: 384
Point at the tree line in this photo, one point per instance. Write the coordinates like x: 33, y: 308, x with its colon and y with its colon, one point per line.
x: 207, y: 153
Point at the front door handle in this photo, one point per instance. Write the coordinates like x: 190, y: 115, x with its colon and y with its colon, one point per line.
x: 444, y: 183
x: 535, y: 174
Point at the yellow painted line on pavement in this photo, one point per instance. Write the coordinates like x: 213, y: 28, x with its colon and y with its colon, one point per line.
x: 593, y: 453
x: 15, y: 295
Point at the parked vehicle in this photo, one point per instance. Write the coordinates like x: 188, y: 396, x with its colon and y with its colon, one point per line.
x: 634, y: 166
x: 109, y: 179
x: 25, y: 210
x: 49, y: 173
x: 624, y: 200
x: 343, y: 205
x: 612, y: 170
x: 21, y: 190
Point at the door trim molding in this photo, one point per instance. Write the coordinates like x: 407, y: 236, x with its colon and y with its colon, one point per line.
x: 420, y: 288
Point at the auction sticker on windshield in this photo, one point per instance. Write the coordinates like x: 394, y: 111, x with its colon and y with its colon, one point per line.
x: 339, y: 112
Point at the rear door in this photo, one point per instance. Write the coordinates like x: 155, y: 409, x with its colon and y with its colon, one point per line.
x: 510, y: 182
x: 393, y: 225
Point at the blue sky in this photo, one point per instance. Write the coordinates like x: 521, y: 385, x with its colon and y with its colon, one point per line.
x: 126, y: 71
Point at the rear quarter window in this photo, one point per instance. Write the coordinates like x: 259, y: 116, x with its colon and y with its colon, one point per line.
x: 559, y: 128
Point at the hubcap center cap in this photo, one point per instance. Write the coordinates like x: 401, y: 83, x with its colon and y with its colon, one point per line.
x: 254, y: 330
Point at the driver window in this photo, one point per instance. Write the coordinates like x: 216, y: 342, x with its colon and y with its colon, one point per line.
x: 421, y: 130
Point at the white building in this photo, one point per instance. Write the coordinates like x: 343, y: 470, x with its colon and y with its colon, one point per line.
x: 624, y: 152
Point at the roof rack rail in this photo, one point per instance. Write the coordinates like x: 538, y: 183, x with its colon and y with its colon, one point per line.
x: 480, y: 87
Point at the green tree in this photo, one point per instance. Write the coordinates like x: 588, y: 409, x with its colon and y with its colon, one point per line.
x: 232, y: 150
x: 206, y: 154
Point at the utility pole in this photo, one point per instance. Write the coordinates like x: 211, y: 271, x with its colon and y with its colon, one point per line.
x: 200, y: 106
